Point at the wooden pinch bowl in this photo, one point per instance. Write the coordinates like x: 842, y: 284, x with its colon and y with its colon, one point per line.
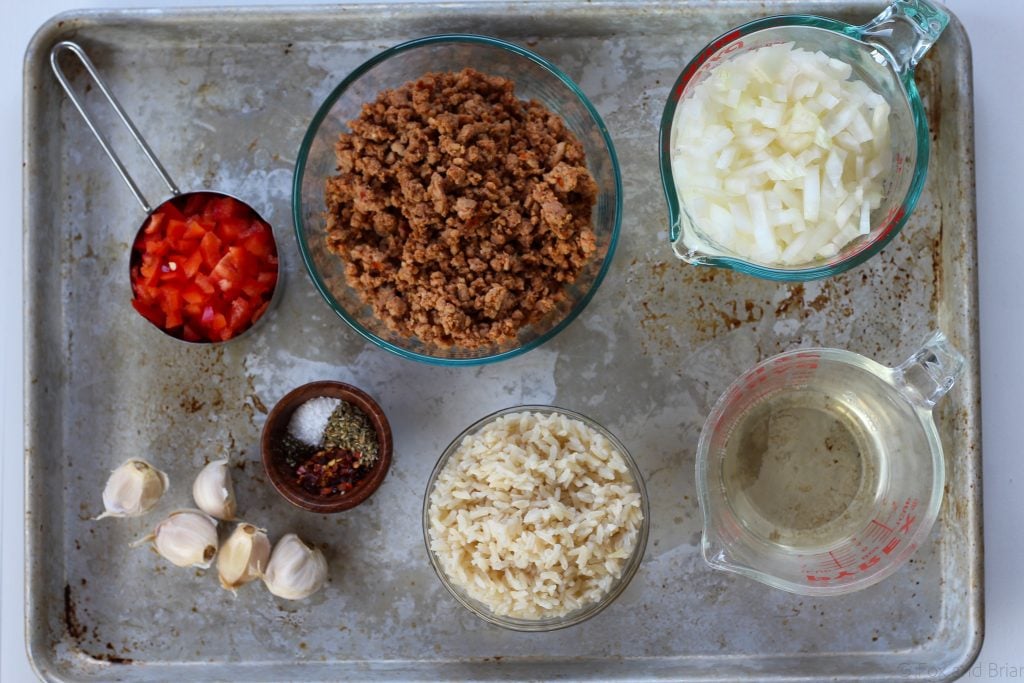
x: 280, y: 474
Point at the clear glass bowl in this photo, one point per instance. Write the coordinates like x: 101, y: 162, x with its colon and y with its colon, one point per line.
x: 883, y: 54
x: 534, y: 78
x: 582, y: 614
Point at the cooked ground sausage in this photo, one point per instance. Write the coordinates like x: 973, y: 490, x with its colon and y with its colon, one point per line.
x: 461, y: 212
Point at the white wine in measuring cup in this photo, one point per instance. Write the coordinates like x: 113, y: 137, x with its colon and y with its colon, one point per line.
x: 820, y: 471
x: 802, y: 468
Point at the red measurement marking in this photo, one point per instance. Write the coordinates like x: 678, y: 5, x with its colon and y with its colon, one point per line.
x: 864, y: 566
x: 891, y: 546
x: 907, y: 524
x: 879, y: 531
x: 834, y: 559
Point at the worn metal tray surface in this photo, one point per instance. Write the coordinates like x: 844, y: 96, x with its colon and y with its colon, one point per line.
x: 225, y: 97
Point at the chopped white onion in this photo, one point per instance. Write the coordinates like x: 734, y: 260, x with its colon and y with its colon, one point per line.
x: 779, y: 157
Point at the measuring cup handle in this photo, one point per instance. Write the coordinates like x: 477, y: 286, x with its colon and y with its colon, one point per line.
x: 905, y: 30
x: 931, y: 371
x: 77, y: 50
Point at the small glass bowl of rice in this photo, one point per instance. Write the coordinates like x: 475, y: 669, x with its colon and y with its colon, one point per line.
x: 535, y: 518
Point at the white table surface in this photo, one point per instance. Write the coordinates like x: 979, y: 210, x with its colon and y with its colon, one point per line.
x: 994, y: 27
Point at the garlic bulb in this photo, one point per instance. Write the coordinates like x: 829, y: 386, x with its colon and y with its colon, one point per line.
x: 243, y: 557
x: 213, y: 491
x: 295, y: 571
x: 187, y: 538
x: 133, y: 489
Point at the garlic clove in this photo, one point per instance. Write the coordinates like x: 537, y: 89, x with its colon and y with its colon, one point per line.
x: 133, y: 489
x: 186, y: 538
x: 243, y: 557
x: 213, y: 492
x: 295, y: 570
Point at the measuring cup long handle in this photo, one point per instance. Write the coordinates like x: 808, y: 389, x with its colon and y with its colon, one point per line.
x: 87, y: 63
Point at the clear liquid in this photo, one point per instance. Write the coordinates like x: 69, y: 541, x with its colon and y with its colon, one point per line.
x: 801, y: 469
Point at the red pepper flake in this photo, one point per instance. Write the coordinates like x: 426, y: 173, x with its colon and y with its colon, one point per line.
x: 331, y: 471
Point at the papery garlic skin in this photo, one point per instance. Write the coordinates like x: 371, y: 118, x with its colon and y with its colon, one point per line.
x: 186, y: 538
x: 295, y: 570
x: 243, y: 557
x: 133, y: 489
x: 213, y: 491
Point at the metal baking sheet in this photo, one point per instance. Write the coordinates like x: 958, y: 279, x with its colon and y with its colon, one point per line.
x: 225, y: 96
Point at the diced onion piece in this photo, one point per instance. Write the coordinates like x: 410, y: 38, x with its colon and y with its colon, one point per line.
x: 812, y: 194
x: 865, y: 218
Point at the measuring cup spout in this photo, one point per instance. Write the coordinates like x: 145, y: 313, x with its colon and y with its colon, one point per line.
x: 905, y: 31
x: 715, y: 553
x: 928, y: 374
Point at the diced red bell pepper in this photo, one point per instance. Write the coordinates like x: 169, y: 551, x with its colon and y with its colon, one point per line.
x: 239, y: 314
x: 195, y: 203
x: 259, y: 244
x: 151, y: 314
x: 226, y: 207
x: 157, y: 247
x: 192, y: 264
x: 192, y: 294
x: 230, y: 228
x: 155, y: 223
x: 210, y: 248
x: 190, y: 334
x: 204, y: 283
x: 169, y: 209
x: 194, y: 230
x: 175, y: 231
x: 226, y: 274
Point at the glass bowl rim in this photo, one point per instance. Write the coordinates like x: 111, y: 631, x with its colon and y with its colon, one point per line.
x: 907, y: 204
x: 583, y: 613
x: 310, y: 136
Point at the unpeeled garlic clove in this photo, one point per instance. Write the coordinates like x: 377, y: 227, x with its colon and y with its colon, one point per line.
x: 133, y: 489
x: 213, y: 492
x: 186, y: 538
x: 295, y: 570
x: 243, y: 557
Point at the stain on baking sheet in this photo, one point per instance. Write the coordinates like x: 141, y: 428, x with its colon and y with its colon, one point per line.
x: 71, y: 623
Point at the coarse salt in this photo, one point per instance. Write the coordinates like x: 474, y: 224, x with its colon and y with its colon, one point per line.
x: 310, y: 419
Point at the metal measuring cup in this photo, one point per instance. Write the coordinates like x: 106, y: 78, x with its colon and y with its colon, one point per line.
x: 176, y: 195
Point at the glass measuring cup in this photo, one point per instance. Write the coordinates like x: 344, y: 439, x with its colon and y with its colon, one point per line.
x: 820, y: 471
x: 883, y: 54
x: 246, y: 223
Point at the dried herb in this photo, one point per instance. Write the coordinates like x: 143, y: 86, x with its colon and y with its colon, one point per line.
x: 295, y: 452
x: 350, y: 429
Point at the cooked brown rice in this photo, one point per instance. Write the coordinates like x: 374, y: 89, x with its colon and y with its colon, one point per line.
x: 534, y: 515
